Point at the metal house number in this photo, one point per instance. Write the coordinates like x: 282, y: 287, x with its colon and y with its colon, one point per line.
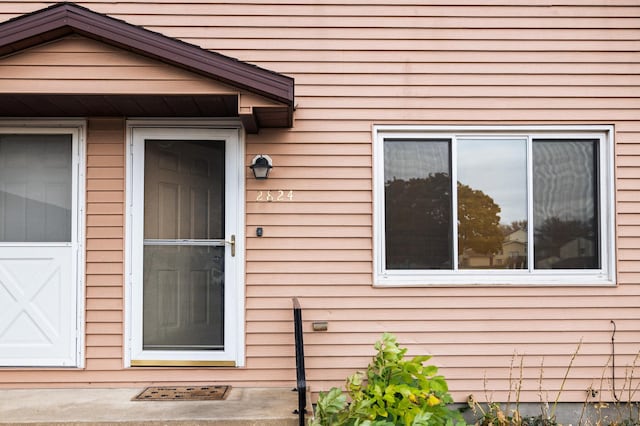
x: 275, y: 195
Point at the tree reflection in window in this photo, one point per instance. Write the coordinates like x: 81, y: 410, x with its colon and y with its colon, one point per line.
x: 419, y: 227
x: 418, y: 223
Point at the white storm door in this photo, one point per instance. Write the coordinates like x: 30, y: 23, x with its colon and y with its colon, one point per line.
x: 39, y: 247
x: 183, y: 244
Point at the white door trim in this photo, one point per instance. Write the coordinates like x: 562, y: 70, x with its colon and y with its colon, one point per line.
x: 137, y: 132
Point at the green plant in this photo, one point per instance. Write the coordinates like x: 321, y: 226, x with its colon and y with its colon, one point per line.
x: 394, y: 391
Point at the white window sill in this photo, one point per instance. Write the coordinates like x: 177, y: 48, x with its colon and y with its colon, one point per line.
x: 493, y: 278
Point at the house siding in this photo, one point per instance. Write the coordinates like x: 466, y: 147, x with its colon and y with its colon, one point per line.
x: 357, y: 65
x: 75, y: 64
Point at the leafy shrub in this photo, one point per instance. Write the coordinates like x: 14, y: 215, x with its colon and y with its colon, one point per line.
x: 394, y: 391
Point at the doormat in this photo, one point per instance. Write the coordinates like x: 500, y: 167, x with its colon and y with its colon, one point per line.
x: 183, y: 393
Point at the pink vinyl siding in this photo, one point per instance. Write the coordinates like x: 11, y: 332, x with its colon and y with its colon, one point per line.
x: 78, y: 65
x: 105, y: 244
x: 355, y: 66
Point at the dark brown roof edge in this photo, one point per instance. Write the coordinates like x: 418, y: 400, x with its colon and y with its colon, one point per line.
x: 67, y: 18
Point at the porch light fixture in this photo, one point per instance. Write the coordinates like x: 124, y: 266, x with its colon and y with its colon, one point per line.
x: 260, y: 166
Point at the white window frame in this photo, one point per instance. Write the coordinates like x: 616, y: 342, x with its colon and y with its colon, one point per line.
x: 605, y: 276
x: 234, y: 331
x: 77, y: 129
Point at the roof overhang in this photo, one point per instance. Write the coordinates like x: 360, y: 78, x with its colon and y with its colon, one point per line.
x: 64, y: 19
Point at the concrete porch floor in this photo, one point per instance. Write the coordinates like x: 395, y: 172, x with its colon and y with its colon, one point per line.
x: 242, y: 407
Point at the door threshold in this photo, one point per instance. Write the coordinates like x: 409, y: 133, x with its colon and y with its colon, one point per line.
x: 180, y: 363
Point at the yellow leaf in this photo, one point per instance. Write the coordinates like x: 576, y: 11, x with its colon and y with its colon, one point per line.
x: 432, y: 400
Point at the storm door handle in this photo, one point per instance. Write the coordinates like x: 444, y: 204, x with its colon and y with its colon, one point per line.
x: 232, y: 243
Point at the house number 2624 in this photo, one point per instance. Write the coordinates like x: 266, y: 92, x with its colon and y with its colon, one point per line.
x: 275, y: 195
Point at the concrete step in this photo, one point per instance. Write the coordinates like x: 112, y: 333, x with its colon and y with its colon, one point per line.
x: 79, y: 407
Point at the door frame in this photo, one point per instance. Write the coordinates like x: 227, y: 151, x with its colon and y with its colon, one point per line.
x: 234, y: 329
x: 78, y: 131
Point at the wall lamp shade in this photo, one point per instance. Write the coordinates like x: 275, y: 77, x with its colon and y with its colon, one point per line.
x: 260, y: 166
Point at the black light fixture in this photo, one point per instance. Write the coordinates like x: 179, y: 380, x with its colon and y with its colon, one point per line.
x: 260, y: 166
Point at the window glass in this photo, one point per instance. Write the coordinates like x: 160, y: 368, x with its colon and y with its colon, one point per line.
x: 184, y: 295
x: 417, y: 182
x: 565, y: 200
x: 184, y: 183
x: 35, y: 188
x: 492, y: 203
x: 183, y: 278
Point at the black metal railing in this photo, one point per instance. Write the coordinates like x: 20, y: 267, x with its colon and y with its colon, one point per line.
x: 301, y: 381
